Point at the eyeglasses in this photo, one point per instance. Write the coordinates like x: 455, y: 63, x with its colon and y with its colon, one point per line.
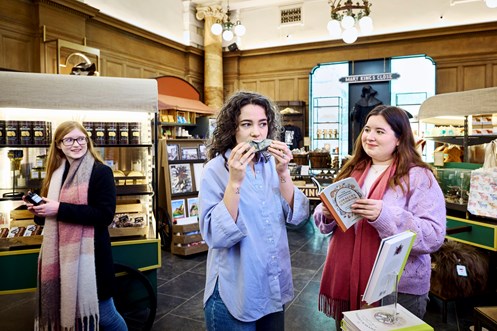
x: 70, y: 141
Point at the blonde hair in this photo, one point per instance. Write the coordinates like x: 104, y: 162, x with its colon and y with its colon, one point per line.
x: 55, y: 155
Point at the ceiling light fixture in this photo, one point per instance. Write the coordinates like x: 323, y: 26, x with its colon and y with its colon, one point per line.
x: 344, y: 17
x: 227, y: 28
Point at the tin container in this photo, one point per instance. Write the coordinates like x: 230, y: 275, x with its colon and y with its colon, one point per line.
x: 26, y: 132
x: 40, y: 131
x: 135, y: 133
x: 12, y: 133
x: 2, y: 132
x: 111, y: 133
x: 90, y: 129
x: 99, y: 133
x: 123, y: 133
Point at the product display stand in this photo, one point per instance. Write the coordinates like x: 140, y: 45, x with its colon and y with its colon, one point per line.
x: 390, y: 318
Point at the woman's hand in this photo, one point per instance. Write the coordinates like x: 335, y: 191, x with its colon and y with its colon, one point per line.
x: 326, y: 212
x: 48, y: 208
x: 240, y: 156
x: 367, y: 208
x: 282, y: 155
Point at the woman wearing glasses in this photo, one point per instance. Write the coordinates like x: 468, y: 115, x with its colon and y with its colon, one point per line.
x: 75, y: 267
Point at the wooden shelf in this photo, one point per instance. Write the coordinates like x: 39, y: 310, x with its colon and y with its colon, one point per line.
x: 459, y: 140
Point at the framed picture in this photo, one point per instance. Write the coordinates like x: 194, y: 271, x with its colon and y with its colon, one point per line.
x: 181, y: 178
x: 202, y: 152
x: 189, y: 153
x: 198, y: 168
x: 172, y: 152
x: 178, y: 208
x: 192, y: 207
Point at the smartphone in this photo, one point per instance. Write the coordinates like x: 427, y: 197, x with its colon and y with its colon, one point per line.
x: 34, y: 198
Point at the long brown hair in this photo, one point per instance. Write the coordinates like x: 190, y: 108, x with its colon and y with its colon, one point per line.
x: 405, y: 155
x: 224, y: 135
x: 55, y: 155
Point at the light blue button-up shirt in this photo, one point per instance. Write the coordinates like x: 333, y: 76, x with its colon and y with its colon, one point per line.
x: 250, y: 259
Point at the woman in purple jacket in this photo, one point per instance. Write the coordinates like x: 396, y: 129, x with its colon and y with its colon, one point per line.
x: 401, y: 194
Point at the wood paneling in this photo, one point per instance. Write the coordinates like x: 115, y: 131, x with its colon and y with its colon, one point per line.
x: 474, y: 77
x: 287, y: 89
x: 446, y: 80
x: 249, y: 86
x: 268, y: 88
x: 17, y: 53
x: 112, y: 68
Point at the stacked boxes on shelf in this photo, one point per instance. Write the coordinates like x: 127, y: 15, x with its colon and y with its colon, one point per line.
x: 187, y: 239
x: 484, y: 124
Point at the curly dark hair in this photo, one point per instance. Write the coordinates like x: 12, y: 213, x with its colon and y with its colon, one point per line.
x: 224, y: 135
x: 406, y: 155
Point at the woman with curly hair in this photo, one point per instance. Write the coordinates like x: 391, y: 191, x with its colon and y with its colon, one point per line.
x: 401, y: 194
x: 246, y: 198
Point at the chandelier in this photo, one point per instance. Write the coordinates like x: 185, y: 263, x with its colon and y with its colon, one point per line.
x: 344, y: 17
x: 227, y: 28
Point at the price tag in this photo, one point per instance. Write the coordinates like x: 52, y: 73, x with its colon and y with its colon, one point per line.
x: 461, y: 270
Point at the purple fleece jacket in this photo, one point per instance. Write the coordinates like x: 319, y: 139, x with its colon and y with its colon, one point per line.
x: 421, y: 210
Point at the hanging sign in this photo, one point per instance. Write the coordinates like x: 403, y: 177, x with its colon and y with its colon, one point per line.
x: 368, y: 78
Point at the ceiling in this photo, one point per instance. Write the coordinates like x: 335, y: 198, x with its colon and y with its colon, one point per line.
x: 175, y: 19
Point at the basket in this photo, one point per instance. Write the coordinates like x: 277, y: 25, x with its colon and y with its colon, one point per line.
x: 320, y: 159
x: 301, y: 159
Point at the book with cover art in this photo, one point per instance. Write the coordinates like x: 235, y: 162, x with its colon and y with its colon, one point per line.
x: 380, y: 319
x: 338, y: 197
x: 388, y: 266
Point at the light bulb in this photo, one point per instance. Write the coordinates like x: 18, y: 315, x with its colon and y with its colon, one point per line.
x: 240, y: 29
x: 216, y: 29
x: 491, y: 3
x: 347, y: 22
x: 227, y: 35
x: 366, y: 25
x: 334, y: 28
x: 350, y: 35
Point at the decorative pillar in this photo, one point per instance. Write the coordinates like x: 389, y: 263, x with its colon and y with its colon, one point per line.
x: 213, y: 56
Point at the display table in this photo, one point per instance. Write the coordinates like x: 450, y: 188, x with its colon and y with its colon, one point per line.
x: 18, y: 268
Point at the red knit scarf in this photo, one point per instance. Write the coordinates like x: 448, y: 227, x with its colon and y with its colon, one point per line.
x: 351, y: 256
x: 67, y: 289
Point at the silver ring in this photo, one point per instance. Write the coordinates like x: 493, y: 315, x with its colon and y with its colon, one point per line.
x: 284, y: 156
x: 241, y: 163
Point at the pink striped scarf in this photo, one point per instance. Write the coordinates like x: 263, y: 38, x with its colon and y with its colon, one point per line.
x: 67, y: 287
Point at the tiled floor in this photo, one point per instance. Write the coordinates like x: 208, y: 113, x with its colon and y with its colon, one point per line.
x: 181, y: 283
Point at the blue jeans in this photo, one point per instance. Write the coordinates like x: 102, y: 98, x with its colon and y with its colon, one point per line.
x: 218, y: 318
x: 110, y: 319
x: 416, y: 304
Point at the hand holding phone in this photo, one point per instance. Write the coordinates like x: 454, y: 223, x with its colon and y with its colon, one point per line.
x: 33, y: 198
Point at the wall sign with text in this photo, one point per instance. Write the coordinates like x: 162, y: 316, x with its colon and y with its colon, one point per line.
x: 369, y: 78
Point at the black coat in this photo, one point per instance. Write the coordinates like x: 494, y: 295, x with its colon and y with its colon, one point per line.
x: 99, y: 212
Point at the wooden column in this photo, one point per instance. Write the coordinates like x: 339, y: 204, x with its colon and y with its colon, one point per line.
x: 213, y: 56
